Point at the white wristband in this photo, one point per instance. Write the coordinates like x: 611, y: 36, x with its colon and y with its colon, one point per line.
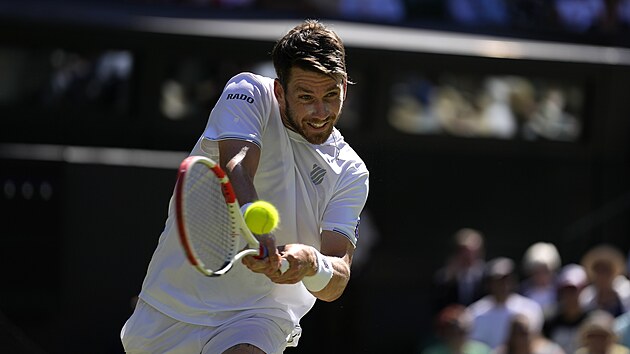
x: 324, y: 273
x: 244, y: 207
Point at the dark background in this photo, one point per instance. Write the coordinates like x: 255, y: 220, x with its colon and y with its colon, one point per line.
x: 74, y: 253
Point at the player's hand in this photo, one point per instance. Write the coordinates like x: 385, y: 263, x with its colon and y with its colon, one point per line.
x: 268, y: 265
x: 302, y: 262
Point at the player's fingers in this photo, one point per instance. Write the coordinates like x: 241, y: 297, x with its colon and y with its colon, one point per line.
x: 256, y: 265
x: 263, y: 266
x: 286, y: 274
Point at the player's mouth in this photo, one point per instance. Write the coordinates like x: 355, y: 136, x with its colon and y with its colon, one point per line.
x: 318, y: 125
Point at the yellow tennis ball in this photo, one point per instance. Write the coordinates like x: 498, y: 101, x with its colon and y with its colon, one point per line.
x: 261, y: 217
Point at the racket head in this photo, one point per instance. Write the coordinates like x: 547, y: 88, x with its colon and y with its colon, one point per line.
x: 208, y: 216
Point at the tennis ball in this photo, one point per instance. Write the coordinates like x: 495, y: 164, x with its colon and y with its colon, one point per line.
x: 261, y: 217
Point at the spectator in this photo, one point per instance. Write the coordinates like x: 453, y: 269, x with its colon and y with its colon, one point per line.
x: 492, y: 313
x: 579, y: 15
x: 479, y: 13
x: 540, y: 265
x: 610, y: 289
x: 523, y: 339
x: 622, y: 323
x: 563, y: 325
x: 551, y: 120
x: 624, y: 13
x: 461, y: 279
x: 597, y: 335
x: 496, y: 112
x: 611, y: 21
x: 452, y: 328
x: 622, y: 329
x: 371, y: 10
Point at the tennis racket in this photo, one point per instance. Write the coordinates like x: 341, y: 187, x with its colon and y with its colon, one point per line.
x: 211, y: 228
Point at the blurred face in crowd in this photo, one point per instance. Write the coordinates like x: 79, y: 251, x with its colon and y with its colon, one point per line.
x: 453, y: 326
x: 541, y: 275
x: 467, y: 255
x: 519, y: 332
x: 469, y: 248
x: 569, y: 297
x: 597, y: 341
x: 501, y: 287
x: 604, y: 274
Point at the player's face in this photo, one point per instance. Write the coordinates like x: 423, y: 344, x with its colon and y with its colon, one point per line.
x: 310, y: 104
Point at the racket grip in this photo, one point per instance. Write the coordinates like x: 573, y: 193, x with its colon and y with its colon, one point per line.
x: 284, y: 265
x: 262, y: 252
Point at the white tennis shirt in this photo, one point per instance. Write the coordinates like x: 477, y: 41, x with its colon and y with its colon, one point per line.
x: 314, y: 187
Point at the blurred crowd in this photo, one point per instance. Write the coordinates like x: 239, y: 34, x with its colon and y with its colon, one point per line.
x: 496, y: 106
x: 601, y: 17
x: 539, y: 305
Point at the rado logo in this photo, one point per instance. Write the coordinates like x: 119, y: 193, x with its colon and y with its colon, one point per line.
x: 239, y: 96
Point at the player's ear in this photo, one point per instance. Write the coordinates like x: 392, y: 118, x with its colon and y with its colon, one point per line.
x: 278, y: 91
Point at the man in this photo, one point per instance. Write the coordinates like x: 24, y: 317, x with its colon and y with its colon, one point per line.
x: 563, y: 325
x: 452, y: 328
x: 460, y: 281
x: 277, y: 142
x: 493, y: 313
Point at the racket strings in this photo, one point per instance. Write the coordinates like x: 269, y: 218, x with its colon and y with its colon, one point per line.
x: 209, y: 222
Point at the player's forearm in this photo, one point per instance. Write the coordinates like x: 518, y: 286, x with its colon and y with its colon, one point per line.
x: 337, y: 284
x: 239, y: 159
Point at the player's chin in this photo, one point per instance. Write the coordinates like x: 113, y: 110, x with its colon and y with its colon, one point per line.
x: 318, y: 138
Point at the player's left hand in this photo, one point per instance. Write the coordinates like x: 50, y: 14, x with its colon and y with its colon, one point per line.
x: 302, y: 262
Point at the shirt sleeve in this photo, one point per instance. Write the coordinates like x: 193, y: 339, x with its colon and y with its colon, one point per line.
x: 342, y: 214
x: 242, y: 111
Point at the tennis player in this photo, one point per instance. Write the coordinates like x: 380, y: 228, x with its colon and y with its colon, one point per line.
x: 277, y: 141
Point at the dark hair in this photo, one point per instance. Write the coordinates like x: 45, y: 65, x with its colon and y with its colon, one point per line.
x: 310, y: 46
x: 453, y: 316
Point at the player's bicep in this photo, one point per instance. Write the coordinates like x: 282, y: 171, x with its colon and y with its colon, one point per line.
x: 239, y: 158
x: 337, y: 245
x: 236, y: 151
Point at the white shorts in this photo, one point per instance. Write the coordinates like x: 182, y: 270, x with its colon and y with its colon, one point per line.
x: 150, y: 331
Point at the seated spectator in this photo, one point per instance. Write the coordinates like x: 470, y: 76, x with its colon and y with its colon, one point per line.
x: 609, y: 289
x: 597, y: 335
x: 622, y: 329
x: 460, y: 281
x: 493, y: 313
x: 579, y: 15
x: 479, y: 13
x: 523, y: 340
x: 563, y: 324
x: 622, y: 323
x: 540, y: 264
x: 452, y: 329
x: 370, y: 10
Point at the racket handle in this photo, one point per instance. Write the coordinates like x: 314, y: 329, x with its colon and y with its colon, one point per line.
x: 262, y: 252
x: 284, y: 265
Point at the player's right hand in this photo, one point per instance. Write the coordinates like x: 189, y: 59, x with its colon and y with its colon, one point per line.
x: 269, y: 265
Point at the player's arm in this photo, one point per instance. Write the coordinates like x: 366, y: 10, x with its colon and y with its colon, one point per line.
x: 338, y: 251
x: 239, y: 158
x: 314, y: 268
